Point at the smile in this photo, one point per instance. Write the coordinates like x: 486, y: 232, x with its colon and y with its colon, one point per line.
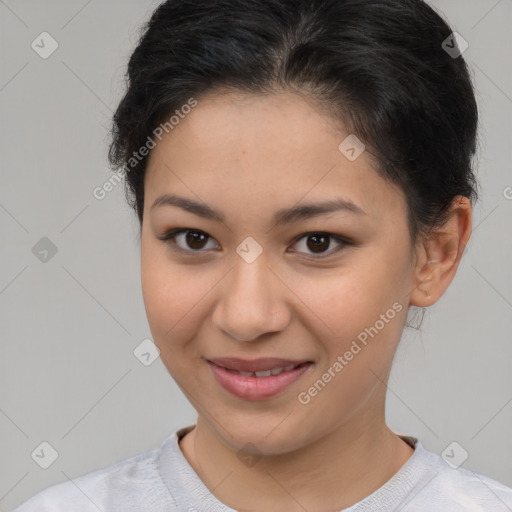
x: 265, y: 373
x: 258, y: 384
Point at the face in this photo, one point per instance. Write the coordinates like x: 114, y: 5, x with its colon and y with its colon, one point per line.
x: 329, y: 290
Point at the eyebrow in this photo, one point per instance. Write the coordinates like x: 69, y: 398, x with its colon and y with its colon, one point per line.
x: 284, y: 216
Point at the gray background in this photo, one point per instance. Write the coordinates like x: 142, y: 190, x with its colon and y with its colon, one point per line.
x: 69, y: 325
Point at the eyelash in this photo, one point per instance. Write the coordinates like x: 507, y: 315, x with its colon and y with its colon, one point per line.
x: 169, y: 238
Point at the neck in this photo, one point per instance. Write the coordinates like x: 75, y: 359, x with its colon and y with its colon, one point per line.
x: 339, y: 469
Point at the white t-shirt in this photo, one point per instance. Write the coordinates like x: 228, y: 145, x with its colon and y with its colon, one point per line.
x: 162, y: 480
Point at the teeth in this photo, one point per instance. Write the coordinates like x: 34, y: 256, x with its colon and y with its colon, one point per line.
x: 265, y: 373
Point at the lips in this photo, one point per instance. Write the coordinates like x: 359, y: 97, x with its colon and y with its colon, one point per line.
x: 257, y: 379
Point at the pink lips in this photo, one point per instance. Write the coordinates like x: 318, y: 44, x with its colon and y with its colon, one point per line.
x: 254, y: 387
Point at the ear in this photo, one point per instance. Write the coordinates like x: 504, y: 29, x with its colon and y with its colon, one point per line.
x: 438, y: 257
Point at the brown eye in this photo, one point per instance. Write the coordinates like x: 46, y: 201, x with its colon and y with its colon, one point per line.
x: 186, y: 240
x: 195, y: 239
x: 319, y: 242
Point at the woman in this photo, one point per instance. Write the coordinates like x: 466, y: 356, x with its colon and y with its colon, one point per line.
x: 301, y: 171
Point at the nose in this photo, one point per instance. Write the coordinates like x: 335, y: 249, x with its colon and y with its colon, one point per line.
x: 252, y: 301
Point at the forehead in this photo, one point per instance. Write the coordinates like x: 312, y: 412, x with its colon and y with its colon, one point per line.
x: 258, y: 151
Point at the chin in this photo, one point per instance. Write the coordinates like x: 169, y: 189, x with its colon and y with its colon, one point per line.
x: 254, y: 437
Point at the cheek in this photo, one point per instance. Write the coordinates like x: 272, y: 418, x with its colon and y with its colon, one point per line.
x: 362, y: 318
x: 365, y: 326
x: 347, y: 300
x: 167, y: 293
x: 175, y: 298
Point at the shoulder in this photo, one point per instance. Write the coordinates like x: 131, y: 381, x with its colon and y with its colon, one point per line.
x: 473, y: 491
x: 444, y: 487
x: 131, y: 484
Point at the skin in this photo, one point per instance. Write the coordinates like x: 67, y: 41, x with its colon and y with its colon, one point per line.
x: 249, y: 156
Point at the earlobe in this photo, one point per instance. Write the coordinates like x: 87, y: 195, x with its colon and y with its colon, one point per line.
x: 440, y: 255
